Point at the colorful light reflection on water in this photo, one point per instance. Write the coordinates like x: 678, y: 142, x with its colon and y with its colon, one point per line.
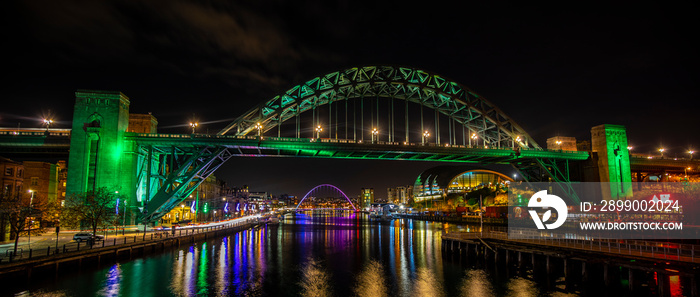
x: 320, y: 254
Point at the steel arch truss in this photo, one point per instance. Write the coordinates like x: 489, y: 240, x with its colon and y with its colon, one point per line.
x: 542, y: 169
x: 169, y: 174
x: 462, y: 105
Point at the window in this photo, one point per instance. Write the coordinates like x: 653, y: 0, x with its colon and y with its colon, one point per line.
x: 35, y: 181
x: 19, y: 173
x: 8, y: 171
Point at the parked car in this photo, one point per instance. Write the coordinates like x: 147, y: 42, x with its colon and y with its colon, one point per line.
x: 86, y: 236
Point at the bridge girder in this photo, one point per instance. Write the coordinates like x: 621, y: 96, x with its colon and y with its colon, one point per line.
x: 179, y: 171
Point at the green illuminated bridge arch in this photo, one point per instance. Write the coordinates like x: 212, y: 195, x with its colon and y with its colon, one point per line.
x: 470, y: 117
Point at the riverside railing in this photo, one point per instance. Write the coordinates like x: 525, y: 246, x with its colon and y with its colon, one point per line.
x: 71, y: 247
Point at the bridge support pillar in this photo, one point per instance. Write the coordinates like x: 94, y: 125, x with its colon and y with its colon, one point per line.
x: 631, y: 279
x: 662, y: 283
x: 568, y: 274
x: 607, y: 277
x: 610, y: 143
x: 100, y: 119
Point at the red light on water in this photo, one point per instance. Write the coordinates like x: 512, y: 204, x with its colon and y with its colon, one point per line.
x: 674, y: 282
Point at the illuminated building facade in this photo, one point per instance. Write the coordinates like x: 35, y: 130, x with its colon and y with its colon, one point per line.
x: 437, y: 182
x: 366, y: 197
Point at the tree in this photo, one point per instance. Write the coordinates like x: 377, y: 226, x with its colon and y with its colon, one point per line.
x: 95, y: 209
x: 20, y: 212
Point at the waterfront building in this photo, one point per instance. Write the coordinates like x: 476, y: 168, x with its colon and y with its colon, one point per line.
x: 366, y: 197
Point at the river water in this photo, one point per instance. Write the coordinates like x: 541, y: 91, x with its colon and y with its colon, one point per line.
x: 308, y: 254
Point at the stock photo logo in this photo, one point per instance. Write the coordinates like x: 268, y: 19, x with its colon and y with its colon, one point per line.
x: 542, y: 200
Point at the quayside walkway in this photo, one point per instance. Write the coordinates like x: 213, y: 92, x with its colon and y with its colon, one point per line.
x: 51, y: 259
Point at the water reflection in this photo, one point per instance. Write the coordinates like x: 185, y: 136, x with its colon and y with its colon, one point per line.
x: 311, y: 254
x: 371, y: 282
x: 426, y: 284
x: 520, y: 287
x: 112, y: 283
x: 315, y: 282
x: 476, y: 283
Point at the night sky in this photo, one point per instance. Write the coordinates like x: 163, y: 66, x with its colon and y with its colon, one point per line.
x: 556, y: 70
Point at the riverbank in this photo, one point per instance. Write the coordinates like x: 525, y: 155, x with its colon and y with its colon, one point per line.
x: 75, y: 256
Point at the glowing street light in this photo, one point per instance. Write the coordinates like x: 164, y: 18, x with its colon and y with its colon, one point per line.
x: 375, y: 133
x: 661, y: 150
x: 318, y: 131
x: 259, y: 127
x: 425, y: 136
x: 193, y: 125
x: 476, y: 138
x: 629, y: 148
x: 31, y: 199
x: 518, y: 140
x: 48, y: 123
x: 691, y: 152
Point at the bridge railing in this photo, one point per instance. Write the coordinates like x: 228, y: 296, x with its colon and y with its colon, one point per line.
x: 332, y: 140
x: 33, y: 133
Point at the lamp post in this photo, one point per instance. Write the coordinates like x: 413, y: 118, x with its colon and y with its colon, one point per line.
x: 476, y: 139
x: 375, y: 134
x: 193, y: 125
x: 318, y: 131
x: 518, y: 140
x: 48, y: 123
x: 258, y: 126
x: 425, y: 136
x: 124, y: 219
x: 691, y: 152
x: 661, y: 150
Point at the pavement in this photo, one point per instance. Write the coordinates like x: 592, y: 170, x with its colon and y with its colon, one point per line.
x: 40, y: 244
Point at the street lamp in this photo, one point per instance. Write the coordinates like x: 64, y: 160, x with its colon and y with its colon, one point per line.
x: 375, y: 133
x: 318, y: 131
x: 476, y: 139
x: 661, y: 150
x: 193, y: 125
x: 691, y: 152
x: 259, y: 127
x: 48, y: 123
x: 425, y: 136
x: 558, y: 142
